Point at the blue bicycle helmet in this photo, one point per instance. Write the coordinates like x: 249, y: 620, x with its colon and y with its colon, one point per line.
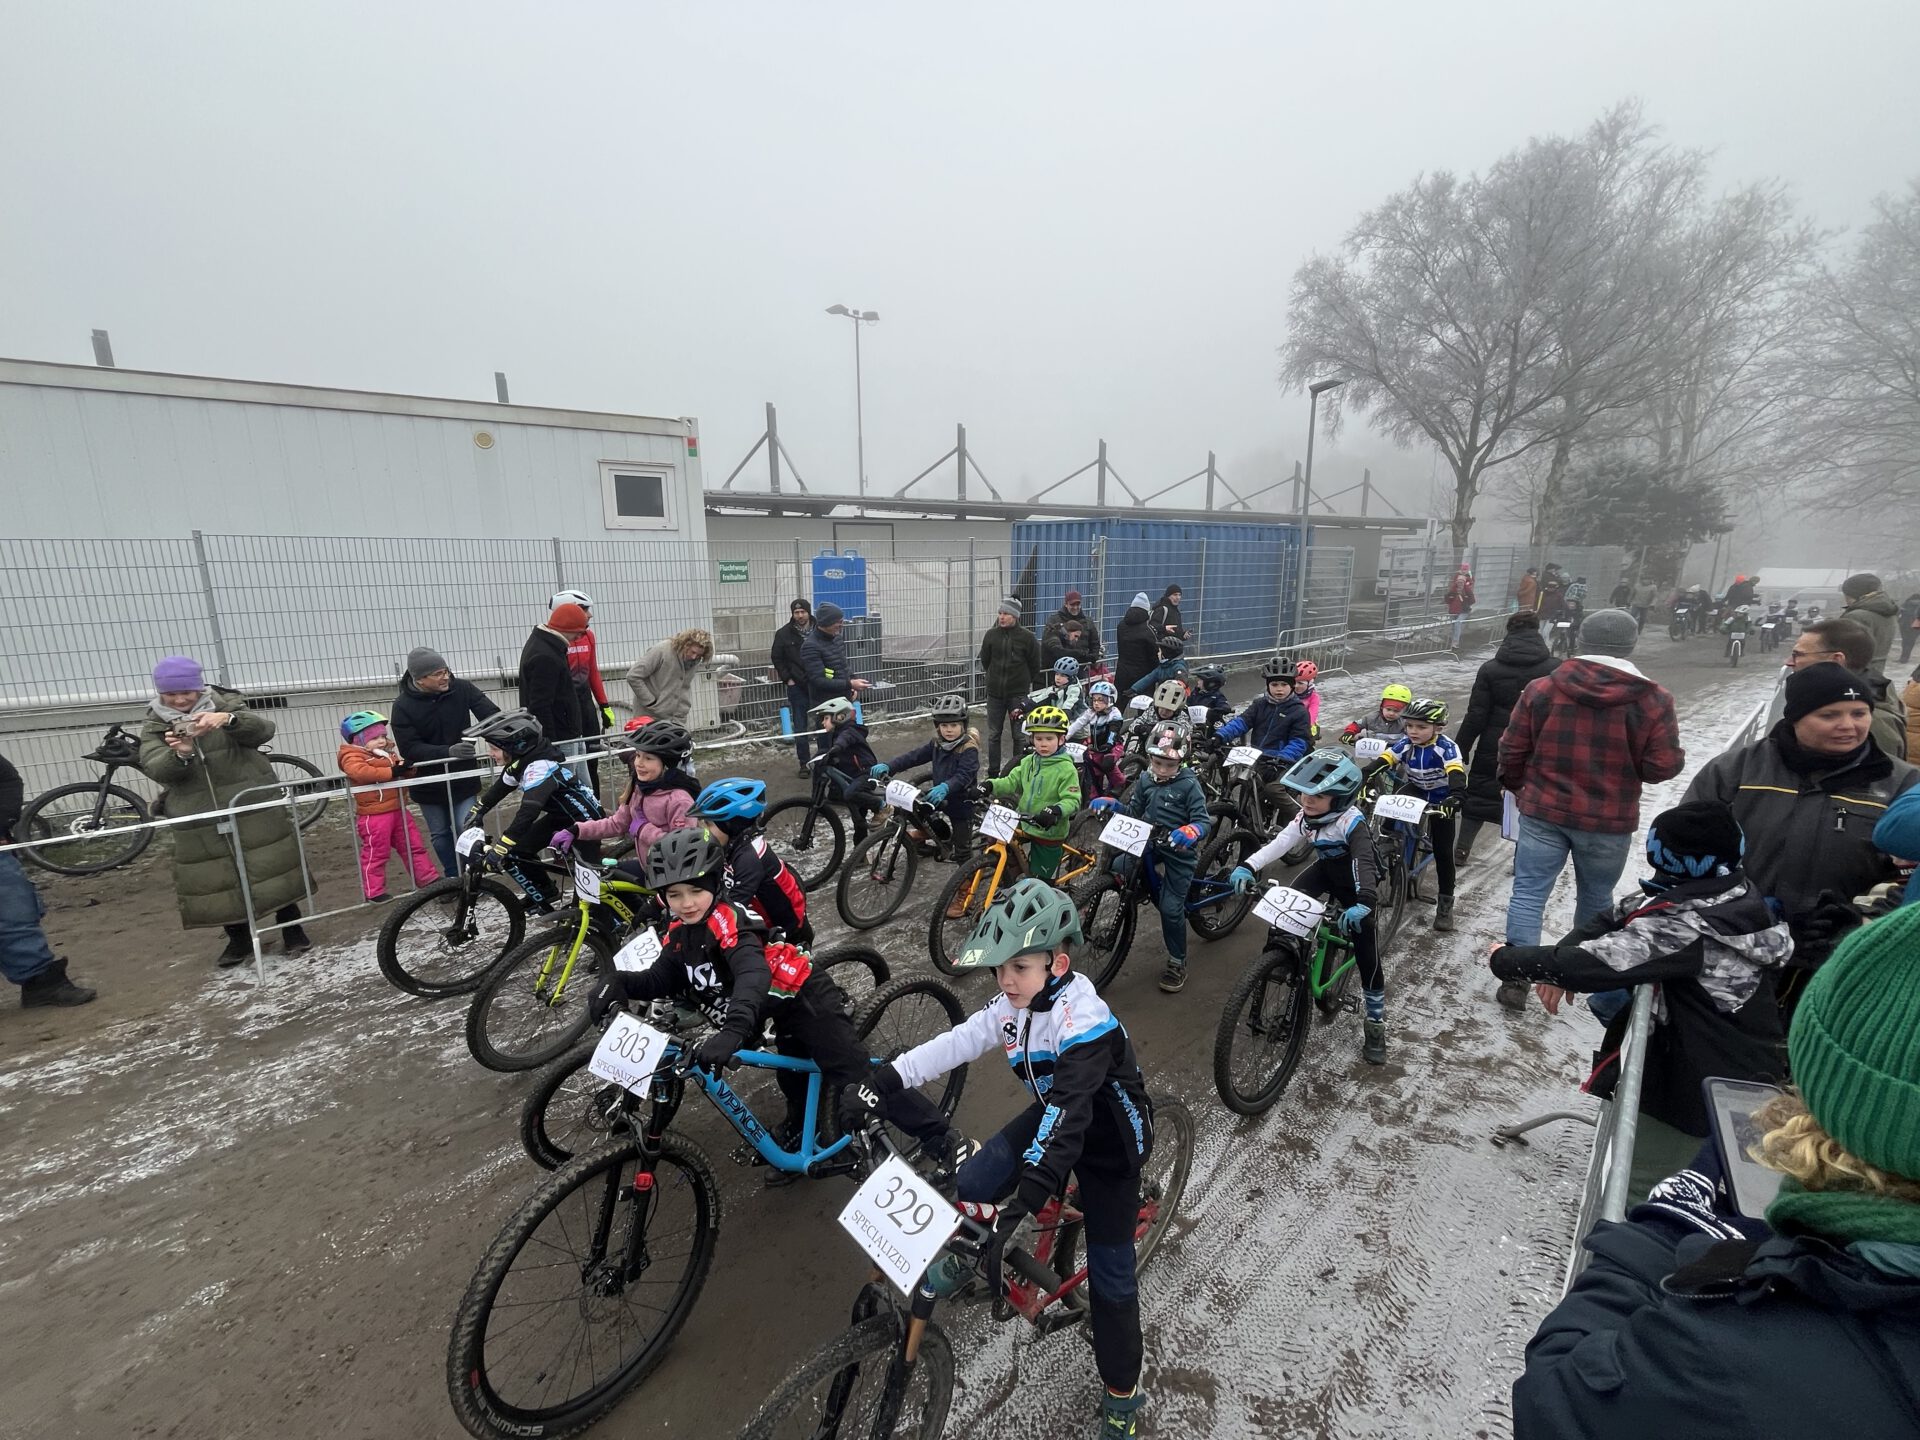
x: 1106, y: 688
x: 360, y: 720
x: 1325, y: 772
x: 734, y: 798
x: 1068, y: 666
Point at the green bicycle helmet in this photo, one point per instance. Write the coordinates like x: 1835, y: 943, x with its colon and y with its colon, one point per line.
x: 1426, y: 712
x: 1031, y: 915
x: 1324, y: 772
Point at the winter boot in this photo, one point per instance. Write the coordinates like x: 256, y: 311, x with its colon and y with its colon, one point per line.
x: 52, y: 987
x: 239, y: 948
x: 1512, y: 994
x: 1173, y: 977
x: 957, y: 907
x: 1373, y: 1048
x: 1443, y: 914
x: 1120, y: 1415
x: 294, y: 941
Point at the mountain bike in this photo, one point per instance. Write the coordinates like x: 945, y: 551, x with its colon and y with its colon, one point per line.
x: 1736, y: 647
x: 1769, y: 635
x: 807, y: 831
x: 1109, y: 903
x: 892, y: 1371
x: 1263, y: 1026
x: 978, y: 882
x: 444, y: 938
x: 95, y: 825
x: 878, y: 874
x: 586, y: 1285
x: 1680, y: 626
x: 1243, y: 819
x: 532, y: 1004
x: 1561, y: 642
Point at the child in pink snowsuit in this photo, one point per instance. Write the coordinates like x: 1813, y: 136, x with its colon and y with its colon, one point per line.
x: 369, y: 756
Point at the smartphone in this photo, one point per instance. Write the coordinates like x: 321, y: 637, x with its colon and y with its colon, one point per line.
x: 1730, y: 1107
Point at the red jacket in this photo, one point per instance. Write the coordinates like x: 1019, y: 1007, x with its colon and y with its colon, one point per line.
x: 1459, y: 593
x: 584, y: 665
x: 1583, y: 740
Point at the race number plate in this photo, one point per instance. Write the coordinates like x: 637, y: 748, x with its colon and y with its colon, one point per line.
x: 1290, y: 910
x: 1244, y: 755
x: 628, y: 1053
x: 900, y: 1221
x: 902, y: 796
x: 1124, y: 832
x: 1000, y: 823
x: 1139, y: 702
x: 1369, y: 748
x: 470, y: 841
x: 1400, y: 807
x: 1076, y: 752
x: 586, y: 880
x: 638, y: 953
x: 1197, y: 714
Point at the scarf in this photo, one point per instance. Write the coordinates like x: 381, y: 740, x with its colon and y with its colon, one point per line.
x: 167, y: 713
x: 1872, y: 763
x: 1847, y: 1216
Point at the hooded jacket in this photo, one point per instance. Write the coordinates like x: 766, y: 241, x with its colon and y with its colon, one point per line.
x: 823, y: 659
x: 1165, y: 616
x: 646, y: 812
x: 662, y: 683
x: 1889, y: 716
x: 425, y: 726
x: 957, y: 769
x: 1582, y: 741
x: 1522, y: 658
x: 1034, y: 784
x: 1136, y: 648
x: 1053, y: 636
x: 363, y: 766
x: 1713, y: 947
x: 1875, y: 613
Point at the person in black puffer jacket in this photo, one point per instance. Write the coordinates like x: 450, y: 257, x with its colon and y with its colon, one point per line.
x: 429, y: 716
x: 1136, y: 647
x: 1521, y: 659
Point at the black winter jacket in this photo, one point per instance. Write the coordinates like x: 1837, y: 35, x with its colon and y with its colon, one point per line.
x: 1009, y: 661
x: 1521, y: 659
x: 785, y: 656
x: 1166, y: 618
x: 719, y: 965
x: 12, y: 798
x: 957, y: 769
x: 1713, y: 947
x: 1053, y: 633
x: 1136, y: 649
x: 425, y: 726
x: 546, y: 686
x: 824, y: 659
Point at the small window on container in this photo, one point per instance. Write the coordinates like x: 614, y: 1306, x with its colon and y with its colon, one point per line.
x: 637, y: 497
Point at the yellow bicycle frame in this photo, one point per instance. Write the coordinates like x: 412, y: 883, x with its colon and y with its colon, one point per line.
x: 610, y: 891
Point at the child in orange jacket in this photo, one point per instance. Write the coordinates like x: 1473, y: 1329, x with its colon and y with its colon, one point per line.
x: 370, y: 757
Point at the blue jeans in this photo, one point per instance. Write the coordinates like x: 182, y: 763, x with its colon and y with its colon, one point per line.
x: 1176, y: 882
x: 444, y: 823
x: 24, y: 951
x: 1541, y: 854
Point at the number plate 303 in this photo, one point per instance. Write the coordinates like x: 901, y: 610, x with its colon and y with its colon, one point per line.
x: 900, y: 1221
x: 628, y: 1053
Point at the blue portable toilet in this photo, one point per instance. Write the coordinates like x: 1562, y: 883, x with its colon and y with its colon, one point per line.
x: 840, y: 579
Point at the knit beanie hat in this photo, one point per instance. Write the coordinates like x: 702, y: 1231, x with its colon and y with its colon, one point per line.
x: 178, y: 672
x: 424, y: 660
x: 1854, y: 586
x: 1140, y: 601
x: 1609, y: 632
x: 1814, y: 687
x: 1010, y: 606
x: 1523, y: 620
x: 568, y: 617
x: 1694, y: 840
x: 1855, y: 1044
x: 829, y: 614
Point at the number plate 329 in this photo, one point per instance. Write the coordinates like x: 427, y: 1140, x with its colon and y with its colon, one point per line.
x: 900, y: 1221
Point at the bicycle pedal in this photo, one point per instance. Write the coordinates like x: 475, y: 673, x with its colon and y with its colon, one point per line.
x: 744, y: 1154
x: 1350, y: 1004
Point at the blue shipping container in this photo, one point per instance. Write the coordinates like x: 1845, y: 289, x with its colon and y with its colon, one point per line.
x: 1231, y: 574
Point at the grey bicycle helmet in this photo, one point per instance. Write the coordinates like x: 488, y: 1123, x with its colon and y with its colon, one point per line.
x: 513, y: 732
x: 950, y: 709
x: 1278, y: 668
x: 1030, y: 916
x: 1211, y: 674
x: 668, y: 739
x: 1172, y: 647
x: 686, y: 857
x: 1066, y: 665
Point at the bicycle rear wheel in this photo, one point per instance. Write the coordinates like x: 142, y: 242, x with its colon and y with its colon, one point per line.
x: 1219, y: 919
x: 842, y: 1391
x: 310, y: 801
x: 1107, y: 919
x: 962, y: 902
x: 83, y: 829
x: 876, y: 878
x: 858, y: 970
x: 908, y: 1013
x: 810, y: 838
x: 523, y: 1015
x: 1163, y: 1181
x: 1263, y: 1028
x: 582, y: 1291
x: 1390, y: 897
x: 441, y: 941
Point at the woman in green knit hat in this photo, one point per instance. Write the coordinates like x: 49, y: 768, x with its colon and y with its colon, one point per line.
x: 1690, y: 1320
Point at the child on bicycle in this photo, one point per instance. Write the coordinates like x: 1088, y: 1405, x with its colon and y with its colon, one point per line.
x: 1044, y: 786
x: 1169, y: 796
x: 1384, y: 721
x: 1171, y: 666
x: 369, y: 756
x: 712, y: 956
x: 847, y: 759
x: 1090, y: 1116
x: 1306, y: 689
x: 1345, y: 866
x: 1275, y: 722
x: 1169, y: 707
x: 1212, y: 693
x: 1062, y: 689
x: 1434, y: 771
x: 954, y: 754
x: 1739, y: 623
x: 1104, y: 725
x: 756, y: 876
x: 554, y: 797
x: 660, y: 793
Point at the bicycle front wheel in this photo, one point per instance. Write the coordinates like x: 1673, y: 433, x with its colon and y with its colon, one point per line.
x: 855, y: 1388
x: 441, y: 940
x: 533, y: 1005
x: 876, y: 878
x: 1263, y: 1029
x: 810, y: 838
x: 83, y: 829
x: 1215, y: 911
x: 962, y: 902
x: 1390, y: 902
x: 1107, y: 919
x: 310, y: 801
x: 570, y: 1110
x: 909, y: 1013
x: 579, y: 1296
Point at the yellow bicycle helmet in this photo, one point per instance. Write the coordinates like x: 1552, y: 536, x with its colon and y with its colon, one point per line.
x: 1397, y: 692
x: 1045, y: 720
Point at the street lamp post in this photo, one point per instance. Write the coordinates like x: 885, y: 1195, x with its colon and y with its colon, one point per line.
x: 1300, y: 579
x: 859, y: 401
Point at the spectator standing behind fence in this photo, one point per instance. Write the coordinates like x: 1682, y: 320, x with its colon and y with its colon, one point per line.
x: 1136, y: 648
x: 1577, y: 748
x: 1165, y: 616
x: 662, y: 679
x: 1053, y: 642
x: 1871, y: 607
x: 823, y: 656
x: 369, y: 755
x: 1688, y: 1322
x: 201, y: 746
x: 1526, y: 594
x: 25, y: 956
x: 430, y: 713
x: 1645, y: 594
x: 583, y: 664
x: 790, y: 673
x: 1909, y: 626
x: 1846, y: 643
x: 1460, y: 602
x: 1522, y: 658
x: 1808, y: 796
x: 1009, y: 670
x: 546, y: 679
x: 1700, y: 930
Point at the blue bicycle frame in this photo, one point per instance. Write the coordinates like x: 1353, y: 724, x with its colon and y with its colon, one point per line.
x: 740, y: 1115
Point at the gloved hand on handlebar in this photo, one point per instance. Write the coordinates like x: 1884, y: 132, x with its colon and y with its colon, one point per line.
x: 863, y: 1103
x: 610, y: 995
x: 1353, y: 917
x: 878, y: 772
x: 562, y: 841
x: 718, y: 1049
x: 1105, y: 805
x: 1244, y: 880
x: 1185, y: 838
x: 937, y: 794
x: 1050, y: 816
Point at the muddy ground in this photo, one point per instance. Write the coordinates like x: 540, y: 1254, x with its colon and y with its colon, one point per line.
x: 234, y: 1211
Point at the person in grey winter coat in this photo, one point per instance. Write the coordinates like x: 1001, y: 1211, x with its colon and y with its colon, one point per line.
x: 1871, y: 607
x: 1522, y: 658
x: 662, y: 679
x: 201, y: 745
x: 1009, y: 670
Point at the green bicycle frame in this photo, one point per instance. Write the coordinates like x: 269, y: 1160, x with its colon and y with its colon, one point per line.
x: 610, y: 899
x: 1329, y: 965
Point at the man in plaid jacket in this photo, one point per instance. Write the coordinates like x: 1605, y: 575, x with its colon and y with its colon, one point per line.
x: 1581, y: 743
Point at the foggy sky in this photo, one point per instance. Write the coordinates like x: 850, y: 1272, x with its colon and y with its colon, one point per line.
x: 1075, y: 220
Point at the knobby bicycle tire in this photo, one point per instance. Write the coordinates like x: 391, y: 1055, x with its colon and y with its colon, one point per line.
x: 945, y: 937
x: 120, y: 811
x: 1108, y: 933
x: 865, y: 1350
x: 308, y: 804
x: 881, y: 867
x: 1390, y: 907
x: 569, y: 1110
x: 1269, y: 1004
x: 401, y: 958
x: 1166, y: 1172
x: 946, y: 1090
x: 1218, y: 857
x: 816, y: 863
x: 476, y: 1399
x: 512, y: 981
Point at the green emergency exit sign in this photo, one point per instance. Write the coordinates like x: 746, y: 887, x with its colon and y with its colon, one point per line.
x: 733, y: 572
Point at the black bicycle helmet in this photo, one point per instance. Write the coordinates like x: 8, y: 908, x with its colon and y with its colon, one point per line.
x: 1278, y: 668
x: 686, y: 857
x: 1211, y: 674
x: 1172, y: 647
x: 1426, y: 712
x: 668, y: 739
x: 513, y: 732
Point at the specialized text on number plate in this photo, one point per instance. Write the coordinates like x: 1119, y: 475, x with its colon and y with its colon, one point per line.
x: 1400, y: 807
x: 1124, y: 832
x: 900, y: 1221
x: 1291, y: 910
x: 628, y: 1053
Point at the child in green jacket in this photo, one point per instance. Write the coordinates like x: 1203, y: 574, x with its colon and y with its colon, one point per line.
x: 1044, y: 786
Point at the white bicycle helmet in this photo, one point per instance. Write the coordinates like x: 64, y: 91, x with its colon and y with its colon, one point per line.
x: 571, y: 597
